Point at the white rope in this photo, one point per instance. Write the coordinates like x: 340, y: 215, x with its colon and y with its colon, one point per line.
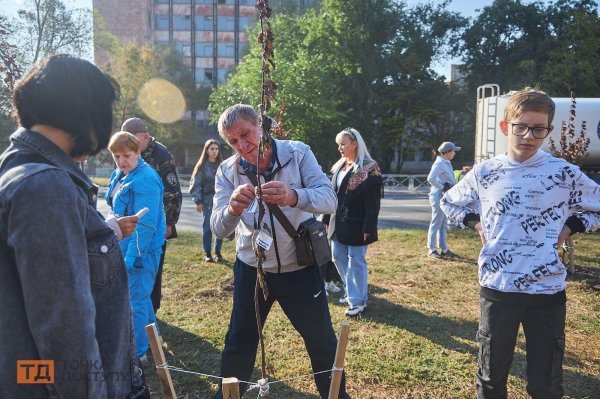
x: 251, y: 385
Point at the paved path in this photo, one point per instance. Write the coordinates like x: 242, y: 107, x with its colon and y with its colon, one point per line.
x: 399, y: 210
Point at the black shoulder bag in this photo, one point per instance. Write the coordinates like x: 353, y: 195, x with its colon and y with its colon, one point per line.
x: 312, y: 245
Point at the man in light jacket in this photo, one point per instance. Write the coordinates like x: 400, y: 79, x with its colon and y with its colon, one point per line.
x: 294, y: 181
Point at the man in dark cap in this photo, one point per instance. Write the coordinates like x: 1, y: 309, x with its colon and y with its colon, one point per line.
x: 160, y: 158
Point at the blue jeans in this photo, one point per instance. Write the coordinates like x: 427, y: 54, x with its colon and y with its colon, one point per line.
x: 438, y: 225
x: 301, y: 295
x: 141, y: 282
x: 352, y: 265
x: 207, y: 233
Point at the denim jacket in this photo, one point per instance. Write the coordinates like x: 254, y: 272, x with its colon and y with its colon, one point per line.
x: 140, y: 188
x: 63, y: 292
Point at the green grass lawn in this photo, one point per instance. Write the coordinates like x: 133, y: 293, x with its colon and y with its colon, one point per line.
x: 417, y: 339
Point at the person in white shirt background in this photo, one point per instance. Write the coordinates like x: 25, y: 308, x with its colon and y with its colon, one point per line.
x: 441, y: 179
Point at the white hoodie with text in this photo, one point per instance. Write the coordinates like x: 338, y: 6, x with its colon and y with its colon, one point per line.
x: 523, y: 208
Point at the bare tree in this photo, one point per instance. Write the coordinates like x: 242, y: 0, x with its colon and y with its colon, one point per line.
x: 48, y: 26
x: 574, y: 149
x: 10, y: 72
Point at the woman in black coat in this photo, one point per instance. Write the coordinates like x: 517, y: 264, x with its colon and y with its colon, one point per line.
x: 358, y: 183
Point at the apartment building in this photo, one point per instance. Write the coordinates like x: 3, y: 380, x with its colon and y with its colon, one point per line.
x: 211, y: 35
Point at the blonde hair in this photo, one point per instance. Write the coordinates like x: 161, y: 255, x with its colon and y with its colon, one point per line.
x: 529, y: 100
x: 204, y: 157
x: 122, y: 141
x: 361, y: 148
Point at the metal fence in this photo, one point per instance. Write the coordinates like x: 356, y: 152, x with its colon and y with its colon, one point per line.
x: 410, y: 183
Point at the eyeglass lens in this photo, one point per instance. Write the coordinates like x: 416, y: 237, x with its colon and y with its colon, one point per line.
x: 538, y: 132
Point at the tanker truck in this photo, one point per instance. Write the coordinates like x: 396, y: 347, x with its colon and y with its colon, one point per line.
x: 489, y: 140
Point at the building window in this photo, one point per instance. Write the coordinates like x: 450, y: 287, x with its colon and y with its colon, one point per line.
x: 204, y: 22
x: 162, y: 22
x: 243, y: 23
x: 204, y: 49
x: 204, y: 75
x: 427, y: 154
x: 225, y: 50
x: 182, y: 22
x: 225, y: 23
x: 161, y: 1
x: 183, y: 47
x: 221, y: 74
x: 181, y: 1
x: 409, y: 154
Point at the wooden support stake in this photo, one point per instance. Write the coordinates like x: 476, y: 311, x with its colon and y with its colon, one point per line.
x: 571, y: 256
x: 340, y: 355
x: 159, y: 359
x: 231, y: 388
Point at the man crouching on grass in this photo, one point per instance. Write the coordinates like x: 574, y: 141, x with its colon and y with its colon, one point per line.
x: 528, y: 203
x: 296, y: 183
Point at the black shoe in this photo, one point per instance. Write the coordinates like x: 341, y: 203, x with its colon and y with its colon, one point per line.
x: 434, y: 255
x: 218, y: 257
x: 449, y: 254
x: 208, y: 258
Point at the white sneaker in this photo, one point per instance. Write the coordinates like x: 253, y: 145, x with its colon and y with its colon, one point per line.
x: 343, y: 300
x: 331, y: 287
x: 144, y: 361
x: 355, y: 310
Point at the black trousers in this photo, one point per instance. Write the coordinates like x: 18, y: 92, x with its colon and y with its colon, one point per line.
x: 544, y: 328
x: 302, y: 297
x: 156, y: 294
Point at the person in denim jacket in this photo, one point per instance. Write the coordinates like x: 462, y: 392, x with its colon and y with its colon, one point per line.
x: 135, y: 185
x: 63, y: 291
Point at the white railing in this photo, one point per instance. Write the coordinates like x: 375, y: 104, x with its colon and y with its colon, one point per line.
x: 412, y: 183
x: 391, y: 182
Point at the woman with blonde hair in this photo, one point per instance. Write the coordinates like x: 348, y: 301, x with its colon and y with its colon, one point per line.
x: 202, y: 190
x: 357, y: 182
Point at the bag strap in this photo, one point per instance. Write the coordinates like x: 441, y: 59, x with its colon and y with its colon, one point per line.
x: 275, y: 210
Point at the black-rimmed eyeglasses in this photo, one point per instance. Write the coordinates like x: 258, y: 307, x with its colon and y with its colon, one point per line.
x: 539, y: 132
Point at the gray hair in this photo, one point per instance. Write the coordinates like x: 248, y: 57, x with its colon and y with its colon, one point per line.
x: 231, y: 115
x: 361, y: 148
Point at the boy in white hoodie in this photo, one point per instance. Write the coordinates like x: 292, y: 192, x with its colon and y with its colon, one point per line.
x: 524, y: 204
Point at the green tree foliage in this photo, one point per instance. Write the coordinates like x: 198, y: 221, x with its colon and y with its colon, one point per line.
x: 574, y: 58
x: 360, y: 63
x: 551, y: 44
x: 132, y: 66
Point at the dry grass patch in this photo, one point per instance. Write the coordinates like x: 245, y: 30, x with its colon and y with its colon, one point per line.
x: 417, y: 339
